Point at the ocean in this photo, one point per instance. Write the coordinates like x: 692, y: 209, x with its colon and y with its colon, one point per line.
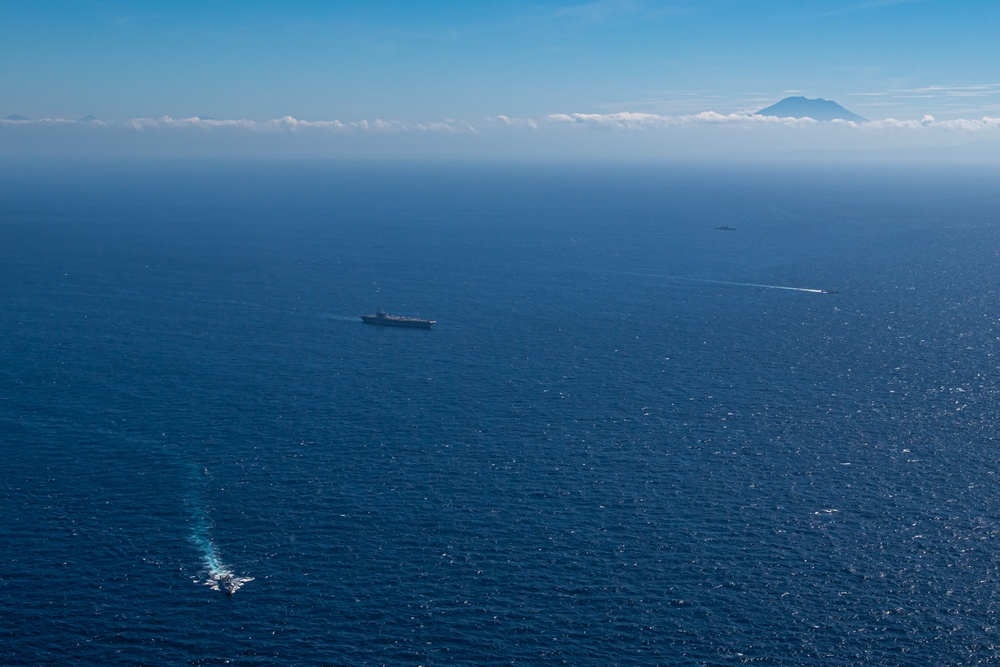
x: 632, y: 438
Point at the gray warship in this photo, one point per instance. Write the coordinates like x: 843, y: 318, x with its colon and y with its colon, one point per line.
x: 384, y: 319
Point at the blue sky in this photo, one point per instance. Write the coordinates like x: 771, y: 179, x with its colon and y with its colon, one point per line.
x: 525, y: 69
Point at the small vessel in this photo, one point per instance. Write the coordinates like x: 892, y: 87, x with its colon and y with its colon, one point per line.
x: 227, y: 584
x: 386, y: 320
x: 726, y: 228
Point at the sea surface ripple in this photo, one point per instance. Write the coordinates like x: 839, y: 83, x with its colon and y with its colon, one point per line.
x: 609, y: 451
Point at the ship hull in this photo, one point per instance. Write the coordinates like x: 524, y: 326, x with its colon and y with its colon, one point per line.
x: 391, y: 321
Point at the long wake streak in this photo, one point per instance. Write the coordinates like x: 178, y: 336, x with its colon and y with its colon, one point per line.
x: 216, y: 575
x: 726, y: 282
x: 343, y: 318
x: 707, y: 281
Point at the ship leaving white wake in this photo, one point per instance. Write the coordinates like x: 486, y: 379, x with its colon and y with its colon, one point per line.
x: 216, y: 574
x: 726, y: 282
x: 707, y: 281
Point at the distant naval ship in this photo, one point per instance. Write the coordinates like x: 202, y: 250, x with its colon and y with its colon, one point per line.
x: 386, y: 320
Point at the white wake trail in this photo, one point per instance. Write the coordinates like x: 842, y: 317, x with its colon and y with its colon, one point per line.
x: 217, y: 575
x: 708, y: 281
x: 785, y: 287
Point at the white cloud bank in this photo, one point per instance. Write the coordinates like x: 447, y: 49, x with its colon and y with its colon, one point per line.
x: 625, y: 134
x: 640, y: 121
x: 624, y: 120
x: 285, y: 124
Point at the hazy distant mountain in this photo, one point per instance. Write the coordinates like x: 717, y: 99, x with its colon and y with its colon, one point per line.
x: 87, y: 119
x: 818, y: 109
x: 16, y: 117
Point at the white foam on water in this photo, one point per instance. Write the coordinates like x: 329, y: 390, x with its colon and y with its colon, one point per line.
x: 343, y: 318
x: 216, y: 574
x: 708, y: 281
x: 793, y: 289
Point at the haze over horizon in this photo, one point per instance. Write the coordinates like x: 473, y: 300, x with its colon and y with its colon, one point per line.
x: 612, y: 78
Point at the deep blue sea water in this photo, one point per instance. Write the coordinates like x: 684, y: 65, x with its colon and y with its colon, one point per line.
x: 624, y: 442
